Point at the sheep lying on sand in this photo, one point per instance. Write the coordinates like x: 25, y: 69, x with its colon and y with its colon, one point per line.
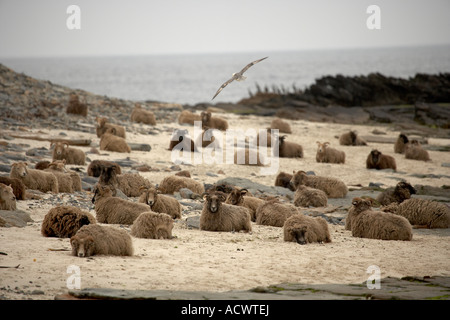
x: 18, y: 187
x: 95, y: 239
x: 76, y: 107
x: 208, y: 138
x: 249, y: 157
x: 65, y: 221
x: 289, y: 149
x: 181, y: 139
x: 274, y: 213
x: 401, y: 192
x: 219, y: 216
x: 111, y: 142
x: 103, y: 126
x: 152, y: 225
x: 281, y: 125
x: 351, y: 139
x: 34, y: 179
x: 172, y: 184
x: 213, y: 122
x: 426, y: 213
x: 96, y: 166
x: 188, y: 117
x: 159, y: 202
x: 414, y: 151
x: 62, y: 151
x: 115, y: 210
x: 283, y: 179
x: 65, y: 183
x: 304, y: 229
x: 128, y: 183
x: 309, y: 197
x: 399, y: 146
x: 334, y: 188
x: 59, y: 166
x: 366, y: 223
x: 237, y: 197
x: 7, y: 198
x: 140, y: 115
x: 327, y: 154
x: 379, y: 161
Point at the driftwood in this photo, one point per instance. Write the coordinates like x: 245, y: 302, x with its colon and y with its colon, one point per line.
x: 13, y: 267
x: 73, y: 142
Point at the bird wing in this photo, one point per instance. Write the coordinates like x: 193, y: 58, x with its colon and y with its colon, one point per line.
x: 250, y: 64
x: 223, y: 86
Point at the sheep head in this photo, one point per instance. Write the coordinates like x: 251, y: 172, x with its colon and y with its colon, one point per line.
x: 150, y: 195
x: 101, y: 191
x: 361, y: 205
x: 6, y: 193
x: 297, y: 178
x: 60, y: 147
x: 405, y: 186
x: 82, y: 246
x: 206, y: 116
x: 298, y: 232
x: 213, y: 200
x: 58, y: 165
x: 20, y: 168
x: 237, y: 196
x: 404, y: 138
x: 321, y: 147
x: 100, y: 122
x: 375, y: 156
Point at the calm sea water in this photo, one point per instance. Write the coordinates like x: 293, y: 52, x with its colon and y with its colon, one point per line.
x: 194, y: 78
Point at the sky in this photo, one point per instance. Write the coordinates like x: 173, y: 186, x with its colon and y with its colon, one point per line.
x: 140, y: 27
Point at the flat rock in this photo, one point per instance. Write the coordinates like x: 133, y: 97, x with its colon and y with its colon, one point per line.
x: 16, y: 218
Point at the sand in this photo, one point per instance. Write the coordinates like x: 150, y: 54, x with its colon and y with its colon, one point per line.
x: 223, y: 261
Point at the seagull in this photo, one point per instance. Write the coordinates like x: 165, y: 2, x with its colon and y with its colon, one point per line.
x: 239, y: 76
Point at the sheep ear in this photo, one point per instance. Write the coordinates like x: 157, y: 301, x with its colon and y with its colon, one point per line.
x: 204, y: 195
x: 66, y: 145
x: 326, y: 143
x: 318, y: 143
x: 113, y: 130
x: 142, y: 189
x: 244, y: 192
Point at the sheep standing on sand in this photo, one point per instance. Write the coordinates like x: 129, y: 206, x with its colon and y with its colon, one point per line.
x: 399, y: 146
x: 115, y: 210
x: 219, y: 216
x: 401, y: 192
x: 62, y: 151
x: 274, y: 213
x: 111, y: 142
x: 351, y: 139
x: 140, y: 115
x: 188, y: 117
x: 289, y: 149
x: 237, y: 197
x: 34, y: 179
x: 103, y: 126
x: 7, y: 198
x: 377, y: 160
x: 172, y: 184
x: 213, y: 122
x: 152, y: 225
x: 18, y: 187
x: 333, y: 187
x: 414, y: 151
x: 305, y: 229
x: 427, y: 213
x: 159, y: 202
x: 281, y: 125
x: 96, y: 166
x: 366, y: 223
x: 326, y: 154
x: 309, y: 197
x: 65, y: 221
x: 283, y: 179
x: 128, y: 183
x: 94, y: 239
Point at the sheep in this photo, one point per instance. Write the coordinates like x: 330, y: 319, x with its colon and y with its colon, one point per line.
x: 249, y: 157
x: 399, y: 146
x: 152, y: 225
x: 42, y: 165
x: 208, y: 139
x: 128, y: 183
x: 414, y: 151
x: 219, y: 216
x: 401, y: 192
x: 181, y: 136
x: 172, y: 184
x: 305, y: 229
x: 94, y: 239
x: 17, y: 185
x: 76, y: 107
x: 213, y: 122
x: 103, y: 126
x: 34, y: 179
x: 140, y: 115
x: 377, y: 160
x: 7, y: 197
x: 188, y: 117
x: 289, y: 149
x: 65, y: 183
x: 62, y: 151
x: 115, y: 210
x: 58, y: 166
x: 95, y: 167
x: 268, y: 138
x: 366, y: 223
x: 333, y: 187
x: 274, y: 213
x: 351, y: 139
x: 159, y: 202
x: 111, y: 142
x: 238, y: 197
x: 305, y: 197
x: 430, y: 214
x: 327, y: 154
x: 65, y: 221
x: 183, y: 173
x: 281, y: 125
x: 283, y: 179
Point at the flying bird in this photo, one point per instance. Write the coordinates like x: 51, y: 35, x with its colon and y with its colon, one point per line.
x: 239, y: 76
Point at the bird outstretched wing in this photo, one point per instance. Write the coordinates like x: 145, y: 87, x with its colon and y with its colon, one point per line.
x: 250, y: 64
x: 223, y: 86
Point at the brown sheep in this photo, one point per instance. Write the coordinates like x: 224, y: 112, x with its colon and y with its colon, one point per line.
x: 188, y: 117
x: 268, y: 138
x: 152, y: 225
x: 289, y: 149
x: 208, y: 138
x: 128, y: 183
x: 351, y: 139
x: 401, y: 192
x: 183, y: 173
x: 414, y: 151
x: 7, y: 198
x: 34, y: 179
x: 172, y: 184
x: 281, y: 125
x: 140, y: 115
x: 181, y: 136
x: 96, y: 166
x: 274, y: 213
x: 18, y: 187
x: 111, y: 142
x: 65, y: 221
x: 309, y: 197
x: 377, y: 160
x: 159, y: 202
x: 334, y: 188
x: 249, y: 157
x: 399, y: 146
x: 283, y: 179
x: 327, y: 154
x: 305, y: 229
x: 213, y: 122
x: 62, y: 151
x: 366, y: 223
x: 219, y: 216
x: 94, y: 239
x: 42, y: 165
x: 59, y: 166
x: 238, y: 197
x: 103, y: 126
x: 76, y: 107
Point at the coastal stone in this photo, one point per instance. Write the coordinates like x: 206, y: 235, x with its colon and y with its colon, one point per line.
x: 15, y: 218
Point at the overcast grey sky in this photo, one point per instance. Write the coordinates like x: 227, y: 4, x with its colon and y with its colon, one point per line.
x: 38, y: 28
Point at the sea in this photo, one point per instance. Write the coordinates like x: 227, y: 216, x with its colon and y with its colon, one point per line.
x: 190, y: 79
